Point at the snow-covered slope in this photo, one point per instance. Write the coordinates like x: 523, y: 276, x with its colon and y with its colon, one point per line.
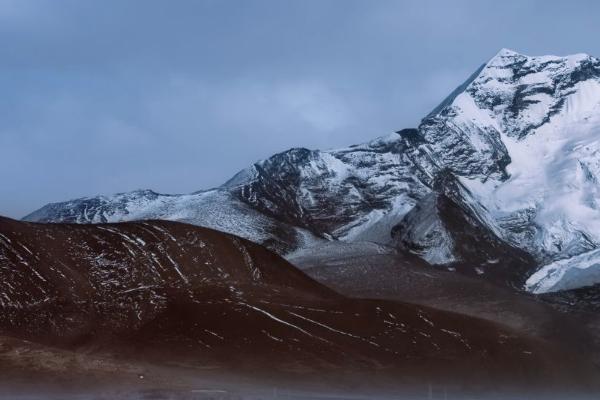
x: 523, y: 136
x: 569, y: 273
x: 291, y: 200
x: 355, y: 193
x: 546, y: 112
x: 216, y: 209
x: 510, y: 158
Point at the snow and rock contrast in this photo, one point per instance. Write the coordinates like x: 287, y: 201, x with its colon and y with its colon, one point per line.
x: 290, y: 201
x: 217, y: 209
x: 511, y: 159
x: 523, y: 138
x: 568, y: 273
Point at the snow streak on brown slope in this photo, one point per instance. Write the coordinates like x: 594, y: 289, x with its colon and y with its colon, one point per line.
x: 170, y: 291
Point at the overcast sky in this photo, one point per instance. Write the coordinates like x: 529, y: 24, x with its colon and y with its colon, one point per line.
x: 108, y: 96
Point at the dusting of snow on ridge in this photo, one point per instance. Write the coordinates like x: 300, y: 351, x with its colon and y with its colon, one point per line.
x: 216, y: 209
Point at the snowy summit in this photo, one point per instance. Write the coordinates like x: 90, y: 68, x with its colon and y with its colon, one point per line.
x: 510, y: 160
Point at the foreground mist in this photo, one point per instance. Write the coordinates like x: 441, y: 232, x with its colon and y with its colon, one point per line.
x: 283, y: 394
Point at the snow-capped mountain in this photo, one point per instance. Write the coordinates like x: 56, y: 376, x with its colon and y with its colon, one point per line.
x: 523, y: 138
x: 500, y: 178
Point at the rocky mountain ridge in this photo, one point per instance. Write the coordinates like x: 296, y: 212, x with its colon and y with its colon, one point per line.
x: 511, y: 159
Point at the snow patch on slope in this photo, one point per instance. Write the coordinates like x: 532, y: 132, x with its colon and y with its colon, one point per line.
x: 216, y: 209
x: 571, y: 273
x: 553, y: 174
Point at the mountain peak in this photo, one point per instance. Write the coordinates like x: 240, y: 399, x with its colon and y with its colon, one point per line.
x: 522, y: 93
x: 504, y: 52
x: 506, y: 57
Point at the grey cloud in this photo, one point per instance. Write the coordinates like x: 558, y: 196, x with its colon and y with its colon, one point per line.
x: 115, y: 95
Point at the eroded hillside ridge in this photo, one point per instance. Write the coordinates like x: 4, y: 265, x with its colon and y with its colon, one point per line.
x: 160, y: 290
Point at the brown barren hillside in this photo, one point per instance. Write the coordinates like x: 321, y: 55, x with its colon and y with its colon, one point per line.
x: 167, y: 293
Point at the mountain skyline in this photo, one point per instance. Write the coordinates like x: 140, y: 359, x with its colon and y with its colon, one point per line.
x: 187, y: 105
x: 508, y: 161
x: 151, y: 187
